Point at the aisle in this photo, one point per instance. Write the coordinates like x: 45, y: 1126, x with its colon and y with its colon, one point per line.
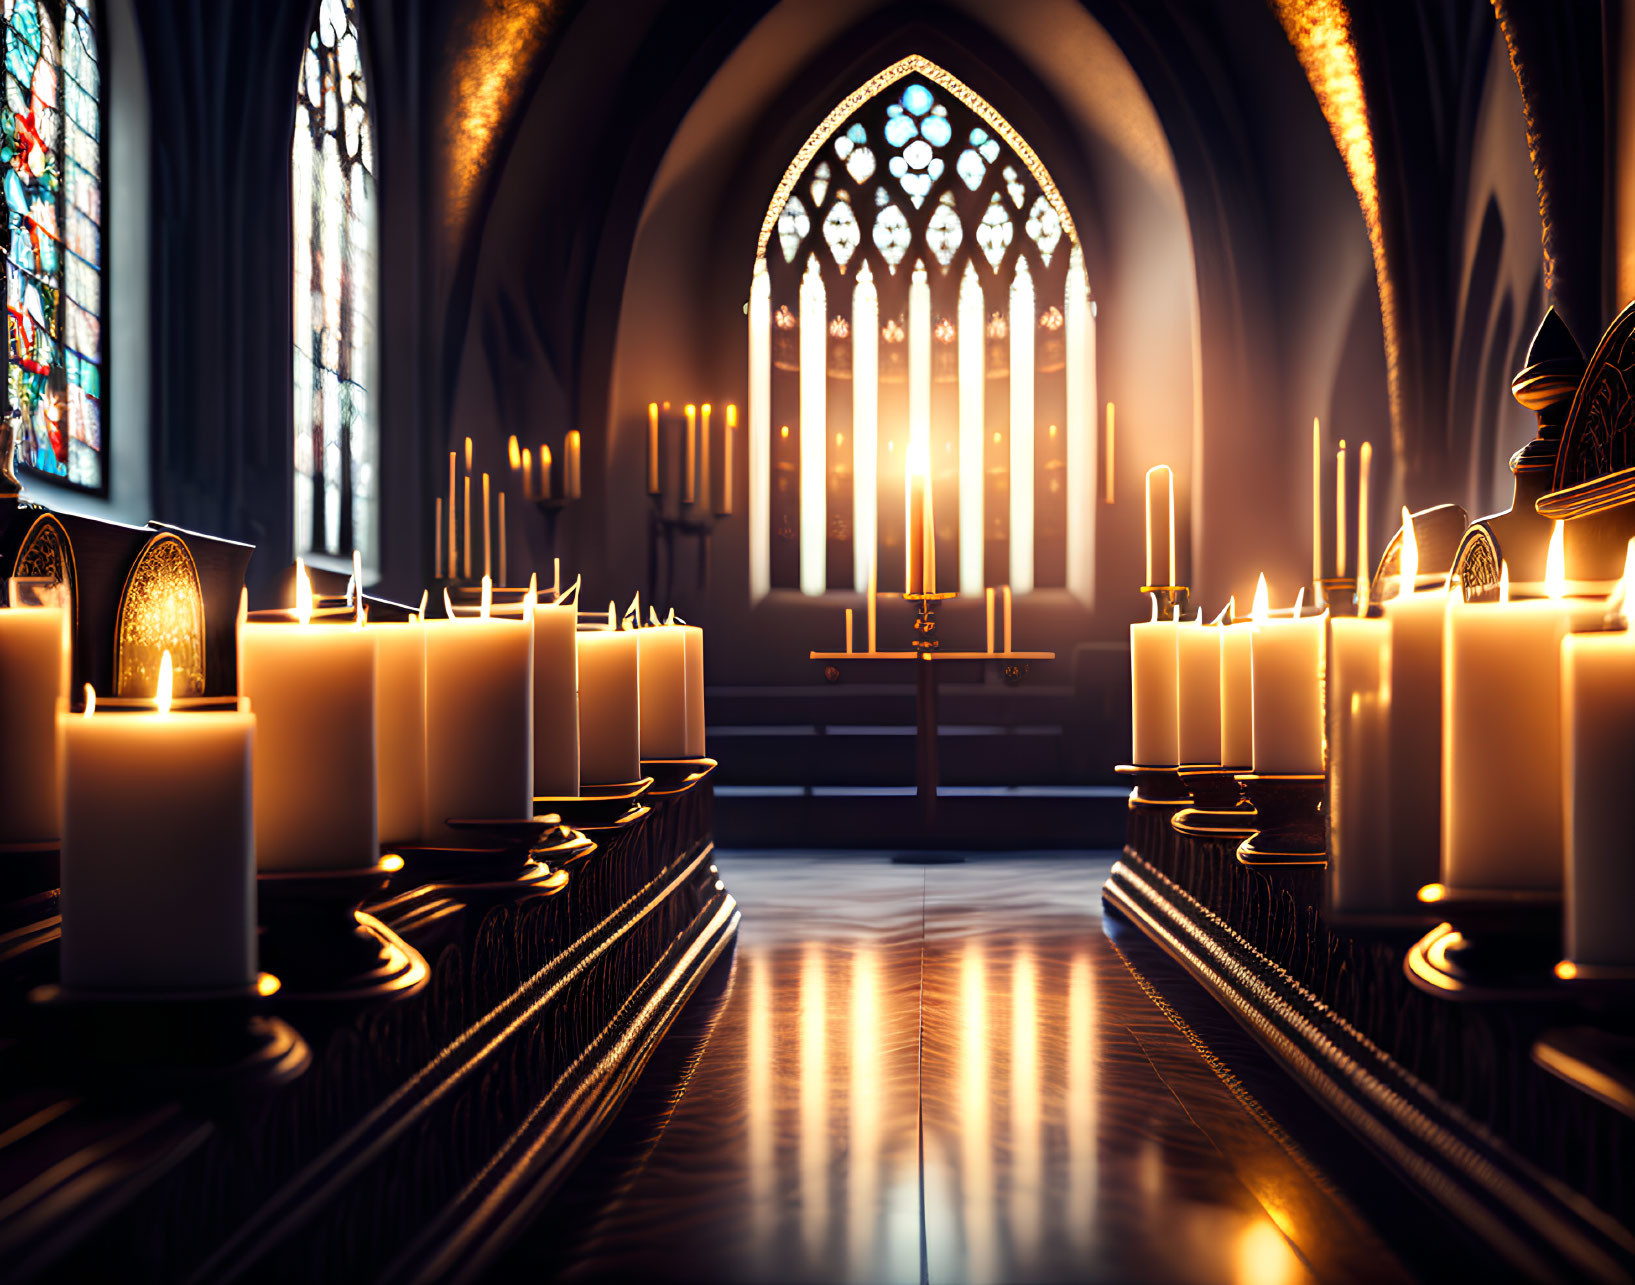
x: 943, y: 1073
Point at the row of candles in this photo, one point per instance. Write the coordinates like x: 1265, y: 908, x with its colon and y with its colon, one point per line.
x: 1470, y: 748
x: 348, y: 736
x: 461, y: 562
x: 694, y: 487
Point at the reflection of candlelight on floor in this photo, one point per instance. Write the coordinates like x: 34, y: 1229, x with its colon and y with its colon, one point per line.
x: 814, y: 1103
x: 1081, y: 1106
x: 758, y: 1076
x: 976, y: 1162
x: 862, y: 1160
x: 1027, y: 1178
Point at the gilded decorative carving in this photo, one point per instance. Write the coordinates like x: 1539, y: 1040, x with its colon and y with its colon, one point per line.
x: 45, y: 552
x: 913, y: 64
x: 1477, y: 565
x: 161, y: 608
x: 1438, y: 532
x: 1595, y: 466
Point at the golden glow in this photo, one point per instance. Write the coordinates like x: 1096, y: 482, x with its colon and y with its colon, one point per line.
x: 513, y: 454
x: 875, y: 84
x: 1111, y: 472
x: 1408, y: 569
x: 814, y: 1099
x: 266, y: 984
x: 161, y: 692
x: 1504, y: 581
x: 1432, y: 892
x: 468, y: 455
x: 840, y: 439
x: 1261, y: 611
x: 1566, y: 970
x: 1264, y: 1257
x: 1555, y: 564
x: 303, y: 593
x: 488, y: 599
x: 863, y: 1102
x: 975, y: 1108
x: 391, y: 863
x: 90, y: 700
x: 784, y: 432
x: 1320, y: 33
x: 1027, y: 1116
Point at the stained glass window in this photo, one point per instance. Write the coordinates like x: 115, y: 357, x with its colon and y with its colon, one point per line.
x: 925, y: 220
x: 332, y: 167
x: 51, y: 152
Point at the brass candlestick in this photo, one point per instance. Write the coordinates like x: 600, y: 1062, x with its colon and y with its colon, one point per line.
x: 1171, y: 597
x: 925, y: 623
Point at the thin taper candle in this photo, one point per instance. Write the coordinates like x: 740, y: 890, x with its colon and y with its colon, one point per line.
x: 1339, y: 510
x: 488, y: 548
x: 545, y: 472
x: 988, y: 594
x: 571, y: 482
x: 437, y: 541
x: 450, y: 565
x: 466, y: 559
x: 527, y: 473
x: 652, y: 448
x: 848, y: 631
x: 468, y: 455
x: 689, y: 485
x: 1363, y: 574
x: 1316, y: 499
x: 704, y: 457
x: 1110, y: 455
x: 504, y: 579
x: 874, y: 592
x: 723, y: 506
x: 1007, y: 595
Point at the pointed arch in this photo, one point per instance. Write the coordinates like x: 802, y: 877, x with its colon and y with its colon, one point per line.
x: 332, y: 170
x: 916, y: 244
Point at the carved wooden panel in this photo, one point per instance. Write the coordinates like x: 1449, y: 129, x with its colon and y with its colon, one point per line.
x: 1438, y: 531
x: 1477, y: 565
x: 1595, y: 467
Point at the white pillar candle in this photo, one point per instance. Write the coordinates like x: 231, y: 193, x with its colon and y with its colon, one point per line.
x: 1415, y: 621
x: 662, y: 661
x: 1598, y: 746
x: 609, y: 705
x: 1237, y: 697
x: 158, y: 851
x: 400, y: 728
x: 479, y: 723
x: 34, y: 659
x: 1501, y: 739
x: 556, y: 702
x: 696, y: 727
x: 1355, y: 706
x: 1153, y: 695
x: 1198, y: 692
x: 1286, y: 659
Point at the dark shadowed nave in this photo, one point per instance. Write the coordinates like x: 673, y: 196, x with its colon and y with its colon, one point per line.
x: 959, y: 1073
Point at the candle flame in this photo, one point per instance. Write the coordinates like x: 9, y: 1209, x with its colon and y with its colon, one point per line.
x: 1504, y: 581
x: 303, y: 593
x: 488, y: 599
x: 161, y: 693
x: 1299, y: 602
x: 354, y: 591
x: 243, y: 606
x: 1199, y: 618
x: 1154, y: 598
x: 1408, y: 567
x: 1231, y: 609
x: 612, y: 615
x: 1261, y: 611
x: 90, y: 700
x: 1226, y: 613
x: 544, y: 456
x: 1555, y: 565
x: 468, y: 455
x: 533, y: 589
x: 513, y: 454
x: 421, y: 610
x: 448, y: 606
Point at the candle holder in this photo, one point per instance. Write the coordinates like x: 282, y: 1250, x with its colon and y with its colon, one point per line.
x: 925, y: 623
x: 664, y: 530
x: 323, y: 946
x: 1219, y: 810
x: 1340, y: 593
x: 1171, y: 597
x: 214, y: 1043
x: 1289, y: 809
x: 595, y: 805
x: 501, y: 852
x: 1493, y: 945
x: 675, y: 776
x: 1155, y: 787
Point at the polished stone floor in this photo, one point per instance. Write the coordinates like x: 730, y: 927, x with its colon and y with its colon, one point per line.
x: 957, y: 1072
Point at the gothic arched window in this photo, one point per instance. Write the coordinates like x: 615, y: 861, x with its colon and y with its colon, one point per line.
x: 51, y: 150
x: 332, y: 168
x: 920, y: 294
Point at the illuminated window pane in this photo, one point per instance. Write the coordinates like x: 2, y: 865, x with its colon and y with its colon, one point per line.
x: 793, y: 225
x: 840, y: 230
x: 820, y: 182
x: 970, y: 168
x: 995, y: 232
x: 1013, y: 185
x: 1045, y: 227
x: 891, y: 235
x: 51, y: 151
x: 336, y: 437
x: 944, y: 232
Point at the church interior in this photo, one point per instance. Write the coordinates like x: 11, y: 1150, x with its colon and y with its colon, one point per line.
x: 817, y: 640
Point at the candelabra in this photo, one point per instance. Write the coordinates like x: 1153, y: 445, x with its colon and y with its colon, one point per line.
x: 681, y: 467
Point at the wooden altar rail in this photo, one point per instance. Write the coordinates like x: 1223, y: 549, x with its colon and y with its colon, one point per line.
x: 1449, y: 1093
x: 426, y: 1132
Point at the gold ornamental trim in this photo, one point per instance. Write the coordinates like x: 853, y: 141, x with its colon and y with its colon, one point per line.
x: 901, y: 70
x: 161, y: 607
x: 45, y: 552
